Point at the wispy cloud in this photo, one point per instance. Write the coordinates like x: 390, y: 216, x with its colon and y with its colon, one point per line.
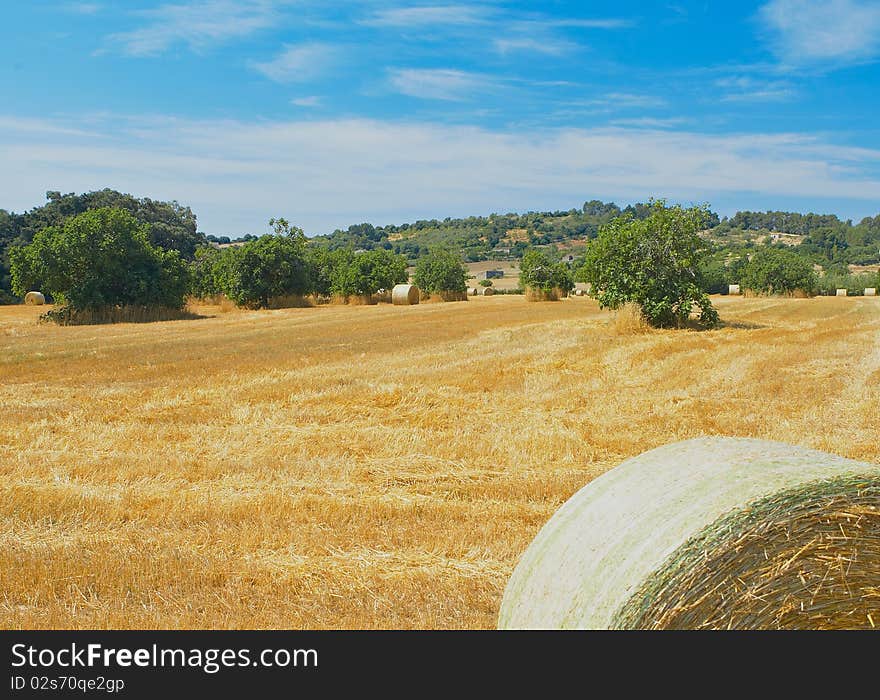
x: 428, y: 16
x: 310, y: 101
x: 234, y: 174
x: 83, y: 8
x: 437, y: 83
x: 549, y: 46
x: 743, y: 88
x: 298, y: 63
x: 826, y: 32
x: 626, y: 100
x: 650, y: 122
x: 198, y: 25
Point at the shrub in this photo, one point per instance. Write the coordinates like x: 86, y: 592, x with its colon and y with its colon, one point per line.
x: 485, y: 283
x: 654, y: 262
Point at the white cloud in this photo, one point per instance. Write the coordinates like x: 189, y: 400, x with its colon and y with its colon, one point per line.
x: 437, y: 83
x: 310, y: 101
x: 199, y: 25
x: 428, y: 16
x: 747, y: 89
x: 83, y: 8
x: 324, y: 174
x: 298, y: 63
x: 623, y: 100
x: 805, y: 32
x: 550, y: 46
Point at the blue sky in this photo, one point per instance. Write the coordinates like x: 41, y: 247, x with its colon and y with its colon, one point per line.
x: 336, y: 113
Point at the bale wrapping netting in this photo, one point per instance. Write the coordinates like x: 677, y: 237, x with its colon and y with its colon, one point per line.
x: 405, y: 295
x: 34, y: 299
x: 709, y: 533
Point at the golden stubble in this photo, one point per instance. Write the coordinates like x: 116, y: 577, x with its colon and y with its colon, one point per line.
x: 373, y: 466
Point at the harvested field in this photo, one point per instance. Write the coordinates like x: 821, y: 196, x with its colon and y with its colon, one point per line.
x: 371, y: 466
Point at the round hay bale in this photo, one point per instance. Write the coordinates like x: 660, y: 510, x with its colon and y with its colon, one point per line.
x: 870, y: 291
x: 405, y: 295
x: 841, y: 293
x: 578, y: 292
x: 34, y: 299
x: 487, y: 292
x: 708, y: 533
x: 472, y: 291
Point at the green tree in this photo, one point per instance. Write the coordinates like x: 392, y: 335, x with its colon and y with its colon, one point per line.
x: 270, y: 266
x: 97, y: 259
x: 538, y: 271
x: 440, y: 271
x: 653, y: 261
x: 778, y: 271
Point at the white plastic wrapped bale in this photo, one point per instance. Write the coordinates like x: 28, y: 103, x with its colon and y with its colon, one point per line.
x: 405, y: 295
x: 711, y: 533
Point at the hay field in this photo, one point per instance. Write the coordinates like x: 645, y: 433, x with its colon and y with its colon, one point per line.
x: 367, y: 467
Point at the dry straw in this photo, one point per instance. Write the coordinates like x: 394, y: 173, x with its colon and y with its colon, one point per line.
x: 34, y: 299
x: 708, y: 534
x: 629, y: 320
x: 405, y: 295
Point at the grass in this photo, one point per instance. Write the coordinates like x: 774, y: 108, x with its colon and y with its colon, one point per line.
x: 363, y: 467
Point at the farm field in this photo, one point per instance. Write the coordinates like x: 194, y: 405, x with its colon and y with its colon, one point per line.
x: 372, y: 466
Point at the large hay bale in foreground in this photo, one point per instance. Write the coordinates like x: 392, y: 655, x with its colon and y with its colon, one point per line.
x: 404, y: 295
x: 709, y: 533
x: 34, y: 299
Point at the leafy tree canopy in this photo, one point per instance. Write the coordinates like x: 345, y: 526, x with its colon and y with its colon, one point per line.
x: 100, y: 258
x: 778, y: 271
x: 440, y: 271
x: 654, y: 262
x: 538, y: 271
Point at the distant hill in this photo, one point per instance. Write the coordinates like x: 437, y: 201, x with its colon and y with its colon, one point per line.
x: 824, y: 238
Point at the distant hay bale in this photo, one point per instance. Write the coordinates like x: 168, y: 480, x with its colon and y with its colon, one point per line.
x: 578, y: 292
x: 472, y: 291
x: 538, y: 294
x: 405, y: 295
x: 34, y: 299
x: 733, y: 289
x: 841, y: 293
x: 487, y: 291
x: 712, y: 533
x: 870, y: 291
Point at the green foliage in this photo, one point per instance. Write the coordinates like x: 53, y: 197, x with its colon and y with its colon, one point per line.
x: 97, y: 259
x: 485, y: 283
x: 654, y: 262
x: 270, y: 266
x: 538, y: 271
x: 366, y: 272
x: 440, y: 271
x: 170, y: 225
x: 778, y: 271
x: 841, y: 278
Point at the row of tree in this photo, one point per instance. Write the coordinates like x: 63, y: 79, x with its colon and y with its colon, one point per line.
x: 105, y: 257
